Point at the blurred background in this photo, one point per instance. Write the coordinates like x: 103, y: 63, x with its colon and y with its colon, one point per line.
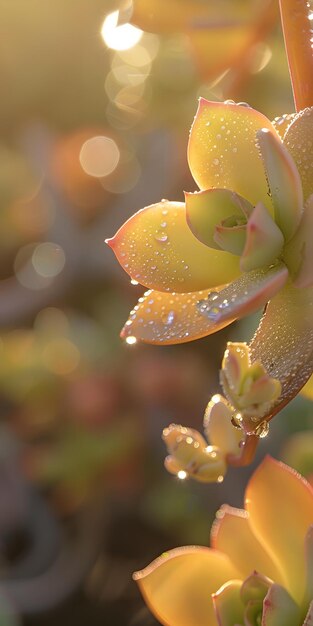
x: 96, y: 103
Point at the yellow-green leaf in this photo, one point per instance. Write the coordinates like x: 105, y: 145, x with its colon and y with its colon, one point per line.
x: 228, y: 605
x: 284, y: 182
x: 222, y: 150
x: 177, y: 587
x: 210, y: 208
x: 298, y: 141
x: 264, y: 240
x: 280, y: 506
x: 157, y: 248
x: 283, y: 342
x: 169, y: 318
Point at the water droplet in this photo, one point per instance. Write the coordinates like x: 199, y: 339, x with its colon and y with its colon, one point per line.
x: 236, y: 420
x: 215, y: 161
x: 163, y: 224
x: 161, y: 237
x: 212, y: 296
x: 262, y: 430
x: 202, y: 306
x: 182, y: 475
x: 235, y: 150
x: 213, y: 313
x: 208, y: 123
x: 168, y: 318
x: 131, y: 340
x: 224, y: 304
x: 220, y: 479
x: 134, y: 282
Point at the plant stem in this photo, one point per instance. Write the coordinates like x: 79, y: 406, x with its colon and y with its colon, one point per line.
x: 297, y: 34
x: 247, y: 452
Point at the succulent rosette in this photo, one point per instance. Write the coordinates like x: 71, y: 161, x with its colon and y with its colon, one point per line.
x: 259, y: 569
x: 244, y: 240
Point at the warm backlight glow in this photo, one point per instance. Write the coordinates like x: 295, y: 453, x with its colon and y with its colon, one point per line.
x: 120, y: 37
x: 99, y: 156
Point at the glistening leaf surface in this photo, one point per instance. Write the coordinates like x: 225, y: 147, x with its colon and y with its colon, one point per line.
x: 157, y: 248
x: 222, y: 150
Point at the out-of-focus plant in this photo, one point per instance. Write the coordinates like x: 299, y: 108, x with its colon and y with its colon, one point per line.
x: 78, y: 438
x: 298, y: 452
x: 222, y: 36
x: 258, y: 569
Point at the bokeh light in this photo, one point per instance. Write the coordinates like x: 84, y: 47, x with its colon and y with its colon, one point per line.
x: 25, y: 271
x: 99, y: 156
x: 119, y: 37
x: 48, y: 259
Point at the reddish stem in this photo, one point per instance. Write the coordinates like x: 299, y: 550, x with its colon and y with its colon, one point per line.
x: 297, y: 34
x: 247, y: 452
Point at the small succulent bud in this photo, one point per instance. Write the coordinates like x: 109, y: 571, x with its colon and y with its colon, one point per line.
x: 190, y: 455
x: 248, y: 386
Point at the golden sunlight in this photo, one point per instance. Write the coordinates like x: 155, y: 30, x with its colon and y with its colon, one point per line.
x: 118, y: 37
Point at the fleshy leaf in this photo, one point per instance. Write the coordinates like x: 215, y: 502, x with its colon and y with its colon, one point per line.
x: 253, y: 613
x: 255, y: 587
x: 279, y: 608
x: 282, y: 122
x: 298, y: 141
x: 232, y: 239
x: 204, y: 468
x: 222, y: 146
x: 228, y: 605
x: 207, y: 209
x: 170, y: 318
x: 245, y: 295
x: 246, y: 552
x: 283, y: 342
x: 264, y: 240
x: 298, y: 254
x: 157, y: 248
x: 284, y: 182
x: 253, y: 592
x: 178, y: 585
x: 280, y: 506
x: 218, y: 427
x: 235, y: 364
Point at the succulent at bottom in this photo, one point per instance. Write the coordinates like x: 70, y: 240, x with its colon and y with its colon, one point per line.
x: 259, y: 569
